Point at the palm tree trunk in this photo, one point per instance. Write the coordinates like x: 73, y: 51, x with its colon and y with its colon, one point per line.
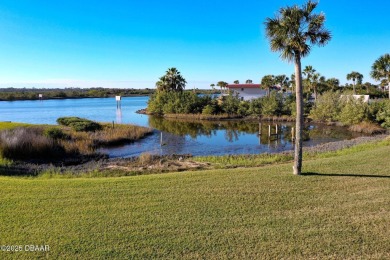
x: 315, y: 94
x: 299, y: 118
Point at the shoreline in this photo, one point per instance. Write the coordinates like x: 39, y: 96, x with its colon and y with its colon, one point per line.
x: 155, y: 164
x: 63, y: 98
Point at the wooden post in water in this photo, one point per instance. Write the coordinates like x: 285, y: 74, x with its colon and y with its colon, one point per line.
x: 161, y: 139
x: 292, y: 134
x: 259, y: 128
x: 276, y: 130
x: 269, y: 131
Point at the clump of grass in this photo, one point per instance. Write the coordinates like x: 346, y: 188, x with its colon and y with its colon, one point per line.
x: 367, y: 128
x: 121, y: 133
x: 145, y: 158
x: 28, y: 143
x: 79, y: 124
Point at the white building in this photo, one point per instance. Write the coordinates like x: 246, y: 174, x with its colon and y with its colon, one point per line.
x: 247, y: 91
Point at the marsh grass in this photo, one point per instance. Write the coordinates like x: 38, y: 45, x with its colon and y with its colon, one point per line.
x: 48, y: 143
x: 28, y: 143
x: 119, y: 134
x: 367, y: 128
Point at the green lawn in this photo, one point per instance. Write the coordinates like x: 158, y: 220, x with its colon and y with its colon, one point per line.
x: 340, y: 210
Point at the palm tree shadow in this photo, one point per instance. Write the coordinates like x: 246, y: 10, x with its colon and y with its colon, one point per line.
x: 344, y: 175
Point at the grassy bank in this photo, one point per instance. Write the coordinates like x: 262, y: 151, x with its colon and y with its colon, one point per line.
x: 59, y: 144
x: 339, y: 210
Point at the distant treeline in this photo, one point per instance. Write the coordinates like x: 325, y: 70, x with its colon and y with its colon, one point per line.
x: 10, y: 94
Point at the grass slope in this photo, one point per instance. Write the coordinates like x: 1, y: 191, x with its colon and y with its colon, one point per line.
x: 340, y: 209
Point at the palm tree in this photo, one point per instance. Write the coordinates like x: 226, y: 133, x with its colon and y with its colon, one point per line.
x: 383, y: 84
x: 381, y: 69
x: 309, y: 72
x: 212, y: 85
x: 268, y: 81
x: 236, y: 82
x: 222, y: 84
x: 171, y: 81
x: 354, y: 75
x: 248, y: 81
x: 333, y: 83
x: 292, y: 32
x: 315, y: 82
x: 292, y: 82
x: 283, y: 81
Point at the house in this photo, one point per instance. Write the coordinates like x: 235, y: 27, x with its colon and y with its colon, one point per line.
x: 365, y: 98
x: 247, y: 91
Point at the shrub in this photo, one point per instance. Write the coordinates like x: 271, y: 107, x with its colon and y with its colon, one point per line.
x: 327, y: 107
x: 28, y: 143
x: 255, y: 107
x: 382, y: 115
x: 208, y: 110
x: 79, y: 124
x: 55, y: 133
x: 173, y: 102
x: 230, y: 104
x: 352, y: 111
x: 272, y: 105
x: 243, y: 108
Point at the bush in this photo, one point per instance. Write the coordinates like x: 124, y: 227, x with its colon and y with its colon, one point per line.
x: 79, y: 124
x: 243, y: 108
x: 327, y: 107
x: 382, y: 113
x: 55, y: 133
x: 255, y: 107
x: 230, y: 104
x: 28, y: 143
x: 272, y: 105
x: 208, y: 110
x: 352, y: 111
x: 173, y: 102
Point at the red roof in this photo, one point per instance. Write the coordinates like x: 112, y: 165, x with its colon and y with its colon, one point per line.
x: 243, y: 86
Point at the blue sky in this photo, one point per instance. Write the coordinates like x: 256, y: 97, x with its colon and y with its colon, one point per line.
x: 132, y: 43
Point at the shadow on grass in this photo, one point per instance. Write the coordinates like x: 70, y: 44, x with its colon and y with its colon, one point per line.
x: 344, y: 175
x: 16, y: 171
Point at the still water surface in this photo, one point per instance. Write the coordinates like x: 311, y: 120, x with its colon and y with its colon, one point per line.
x: 178, y: 136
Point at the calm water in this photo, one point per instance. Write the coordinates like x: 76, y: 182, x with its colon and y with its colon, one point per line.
x: 179, y: 137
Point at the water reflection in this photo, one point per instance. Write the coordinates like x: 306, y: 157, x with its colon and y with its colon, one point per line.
x: 119, y: 115
x: 225, y: 137
x: 233, y: 131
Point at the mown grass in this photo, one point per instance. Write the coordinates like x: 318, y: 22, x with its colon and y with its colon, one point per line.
x: 339, y: 209
x: 253, y: 160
